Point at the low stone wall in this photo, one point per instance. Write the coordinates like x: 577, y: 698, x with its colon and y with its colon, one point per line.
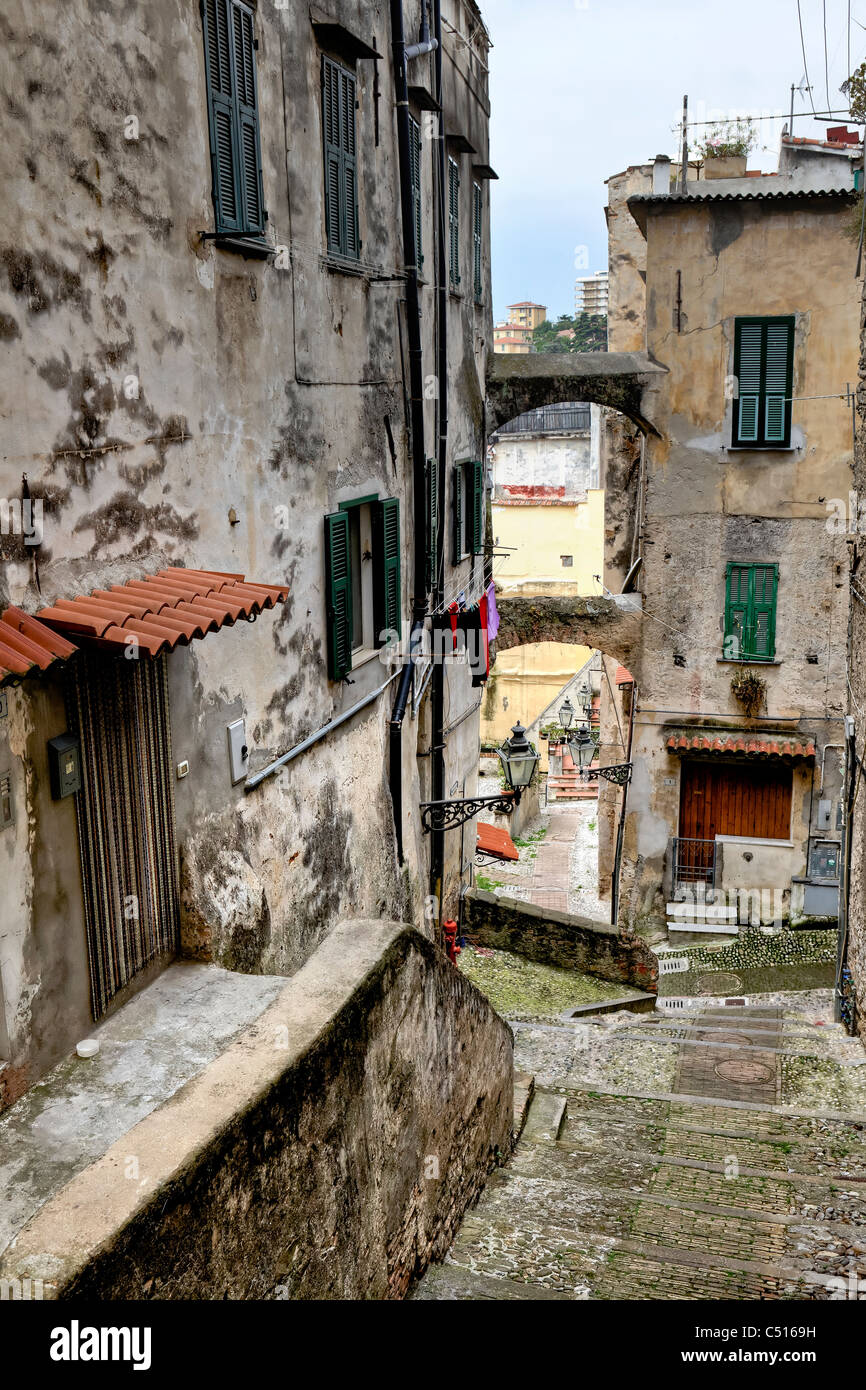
x: 329, y: 1153
x: 558, y: 938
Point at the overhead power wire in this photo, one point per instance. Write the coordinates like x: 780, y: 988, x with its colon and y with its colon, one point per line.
x: 805, y: 63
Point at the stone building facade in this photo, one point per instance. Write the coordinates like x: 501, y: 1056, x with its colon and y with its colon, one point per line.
x: 725, y: 497
x: 209, y: 415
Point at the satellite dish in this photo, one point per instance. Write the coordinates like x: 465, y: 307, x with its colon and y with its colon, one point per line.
x: 632, y: 575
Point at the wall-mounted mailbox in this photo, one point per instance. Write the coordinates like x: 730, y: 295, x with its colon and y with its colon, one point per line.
x: 64, y: 765
x: 239, y: 753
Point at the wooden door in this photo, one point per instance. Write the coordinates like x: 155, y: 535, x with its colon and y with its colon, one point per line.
x: 718, y: 798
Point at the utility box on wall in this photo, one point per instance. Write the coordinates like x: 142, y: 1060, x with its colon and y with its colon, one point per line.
x: 64, y: 765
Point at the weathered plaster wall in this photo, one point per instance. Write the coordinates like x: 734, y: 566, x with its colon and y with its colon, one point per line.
x: 175, y: 403
x: 329, y: 1153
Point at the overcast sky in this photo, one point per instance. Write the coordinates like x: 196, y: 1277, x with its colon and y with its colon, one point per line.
x: 582, y: 88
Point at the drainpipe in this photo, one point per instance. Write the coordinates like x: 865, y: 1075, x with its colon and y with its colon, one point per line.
x: 620, y: 830
x: 437, y: 741
x: 416, y: 391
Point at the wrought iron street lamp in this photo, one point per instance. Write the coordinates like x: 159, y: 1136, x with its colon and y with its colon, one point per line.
x: 519, y: 760
x: 566, y: 714
x: 582, y: 748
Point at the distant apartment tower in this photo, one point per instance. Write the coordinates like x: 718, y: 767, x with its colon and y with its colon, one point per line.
x: 591, y: 293
x: 526, y: 314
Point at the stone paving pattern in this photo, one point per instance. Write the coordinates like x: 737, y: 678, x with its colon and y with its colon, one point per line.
x: 716, y: 1156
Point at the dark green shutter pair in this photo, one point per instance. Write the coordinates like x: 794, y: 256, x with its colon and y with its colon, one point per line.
x: 339, y: 98
x: 338, y: 582
x: 233, y: 117
x: 432, y: 509
x: 477, y: 208
x: 453, y: 222
x: 415, y: 181
x: 468, y: 529
x: 750, y: 612
x: 764, y: 369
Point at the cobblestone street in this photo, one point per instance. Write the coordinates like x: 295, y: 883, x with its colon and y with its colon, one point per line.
x: 677, y: 1159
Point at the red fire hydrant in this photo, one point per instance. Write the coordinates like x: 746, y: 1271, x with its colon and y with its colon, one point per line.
x: 452, y: 950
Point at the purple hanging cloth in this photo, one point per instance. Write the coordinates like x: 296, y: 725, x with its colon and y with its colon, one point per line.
x: 492, y: 613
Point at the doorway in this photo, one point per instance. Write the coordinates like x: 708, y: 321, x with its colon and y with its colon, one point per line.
x: 126, y: 829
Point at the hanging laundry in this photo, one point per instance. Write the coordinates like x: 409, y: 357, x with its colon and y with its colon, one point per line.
x: 492, y: 612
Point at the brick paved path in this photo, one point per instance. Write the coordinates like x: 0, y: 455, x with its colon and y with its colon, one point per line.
x: 719, y: 1156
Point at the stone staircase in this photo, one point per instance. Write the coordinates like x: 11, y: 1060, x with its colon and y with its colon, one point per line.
x: 719, y: 1155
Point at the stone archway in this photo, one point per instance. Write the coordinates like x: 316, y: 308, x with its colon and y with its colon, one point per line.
x: 611, y: 625
x: 624, y: 381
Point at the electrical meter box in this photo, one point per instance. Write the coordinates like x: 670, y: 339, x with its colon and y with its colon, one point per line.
x: 64, y: 765
x: 824, y: 859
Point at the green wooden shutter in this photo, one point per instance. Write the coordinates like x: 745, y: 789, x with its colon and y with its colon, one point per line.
x: 432, y: 521
x: 762, y: 624
x: 233, y: 117
x: 454, y: 222
x: 415, y: 181
x: 221, y: 113
x: 777, y: 359
x: 338, y: 595
x: 348, y: 131
x: 249, y: 145
x: 459, y: 526
x: 736, y: 610
x: 477, y: 208
x: 477, y: 507
x: 341, y: 165
x: 386, y: 587
x: 747, y: 369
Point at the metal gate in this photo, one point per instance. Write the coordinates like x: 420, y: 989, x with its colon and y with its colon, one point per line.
x: 125, y: 811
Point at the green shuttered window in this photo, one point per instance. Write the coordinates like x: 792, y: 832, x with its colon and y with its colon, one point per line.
x: 477, y: 239
x: 764, y: 368
x: 750, y: 612
x: 378, y: 594
x: 233, y: 118
x: 453, y: 223
x: 415, y: 180
x: 339, y: 97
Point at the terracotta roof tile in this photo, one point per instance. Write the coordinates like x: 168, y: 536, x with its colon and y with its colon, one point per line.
x: 746, y: 746
x: 26, y: 644
x: 161, y: 611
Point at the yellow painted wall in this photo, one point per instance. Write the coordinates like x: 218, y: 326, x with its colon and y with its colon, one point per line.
x: 523, y: 682
x: 539, y: 535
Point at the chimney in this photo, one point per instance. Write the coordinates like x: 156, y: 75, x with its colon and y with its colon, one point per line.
x: 661, y: 174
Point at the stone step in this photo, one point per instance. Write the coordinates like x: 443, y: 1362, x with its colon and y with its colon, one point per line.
x: 714, y: 928
x: 524, y: 1089
x: 456, y: 1283
x: 546, y: 1117
x: 702, y: 911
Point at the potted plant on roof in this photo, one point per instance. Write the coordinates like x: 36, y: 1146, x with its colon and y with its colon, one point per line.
x: 725, y: 149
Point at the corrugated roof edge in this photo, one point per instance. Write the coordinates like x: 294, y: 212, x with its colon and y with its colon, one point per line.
x: 643, y: 200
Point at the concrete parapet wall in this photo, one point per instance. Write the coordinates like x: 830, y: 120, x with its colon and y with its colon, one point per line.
x: 329, y: 1153
x: 558, y: 938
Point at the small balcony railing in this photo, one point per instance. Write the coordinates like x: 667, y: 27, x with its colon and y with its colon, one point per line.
x: 694, y: 861
x: 549, y: 420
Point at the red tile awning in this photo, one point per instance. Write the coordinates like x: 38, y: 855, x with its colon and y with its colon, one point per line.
x: 623, y: 676
x: 743, y: 746
x: 162, y: 611
x: 497, y: 843
x: 27, y: 645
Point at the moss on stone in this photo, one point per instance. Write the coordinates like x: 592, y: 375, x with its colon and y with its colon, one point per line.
x: 519, y: 988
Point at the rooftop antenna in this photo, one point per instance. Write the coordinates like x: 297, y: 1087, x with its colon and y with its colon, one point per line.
x: 803, y: 88
x: 685, y: 168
